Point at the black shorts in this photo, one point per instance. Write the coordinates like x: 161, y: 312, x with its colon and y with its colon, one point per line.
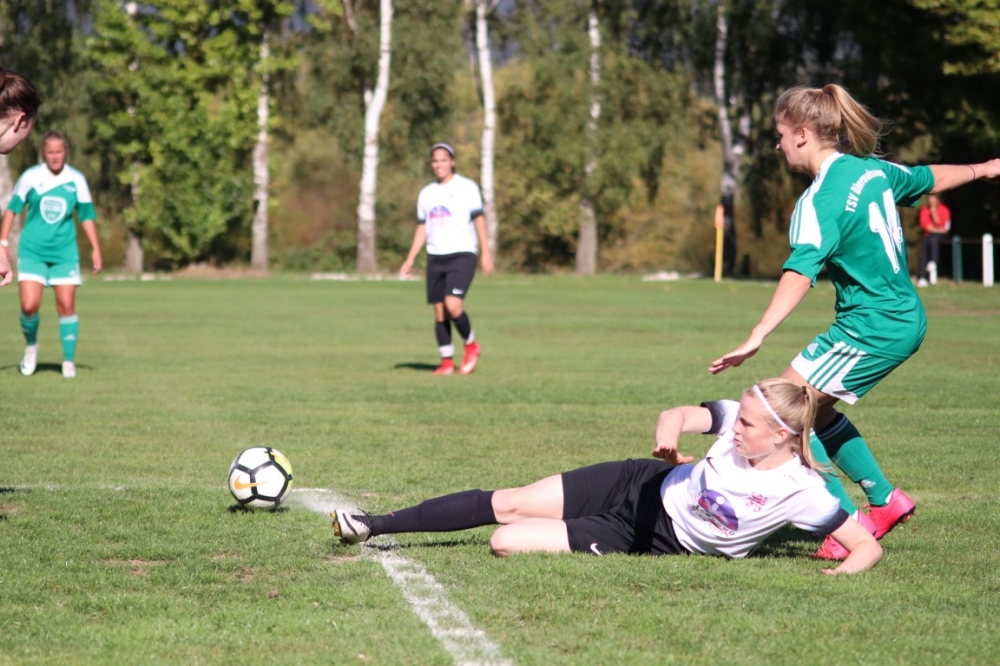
x: 449, y: 275
x: 615, y: 507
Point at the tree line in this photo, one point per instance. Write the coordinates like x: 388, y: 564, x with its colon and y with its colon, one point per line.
x: 294, y: 133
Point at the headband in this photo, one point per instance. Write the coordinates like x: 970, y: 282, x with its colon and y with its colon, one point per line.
x: 445, y: 146
x: 771, y: 411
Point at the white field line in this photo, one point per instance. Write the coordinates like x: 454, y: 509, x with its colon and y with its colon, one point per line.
x: 467, y: 645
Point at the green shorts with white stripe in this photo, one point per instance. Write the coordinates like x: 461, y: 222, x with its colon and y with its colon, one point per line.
x: 840, y: 369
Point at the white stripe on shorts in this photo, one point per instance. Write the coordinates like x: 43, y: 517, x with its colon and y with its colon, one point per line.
x: 826, y: 373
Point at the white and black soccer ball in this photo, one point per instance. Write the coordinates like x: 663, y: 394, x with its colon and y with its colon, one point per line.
x: 260, y: 478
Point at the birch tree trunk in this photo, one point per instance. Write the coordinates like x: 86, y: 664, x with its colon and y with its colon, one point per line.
x: 730, y: 161
x: 586, y: 247
x: 261, y: 174
x: 134, y: 255
x: 6, y: 192
x: 374, y: 103
x: 489, y: 123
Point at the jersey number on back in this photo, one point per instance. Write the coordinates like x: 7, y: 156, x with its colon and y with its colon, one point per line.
x: 887, y: 227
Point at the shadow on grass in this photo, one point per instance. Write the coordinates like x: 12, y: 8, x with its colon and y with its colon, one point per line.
x: 786, y: 542
x: 243, y: 510
x: 393, y: 547
x: 421, y: 367
x: 44, y: 367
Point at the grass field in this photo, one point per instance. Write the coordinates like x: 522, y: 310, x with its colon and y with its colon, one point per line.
x: 119, y: 543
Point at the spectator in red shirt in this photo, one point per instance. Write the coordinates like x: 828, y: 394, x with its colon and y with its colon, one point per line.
x: 935, y: 222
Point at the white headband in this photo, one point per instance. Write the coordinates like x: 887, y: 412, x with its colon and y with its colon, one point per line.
x: 770, y: 411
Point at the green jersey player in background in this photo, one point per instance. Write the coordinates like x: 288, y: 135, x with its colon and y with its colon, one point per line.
x: 47, y: 252
x: 847, y: 221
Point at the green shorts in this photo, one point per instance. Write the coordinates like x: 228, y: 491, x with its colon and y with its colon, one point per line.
x: 841, y: 369
x: 33, y: 270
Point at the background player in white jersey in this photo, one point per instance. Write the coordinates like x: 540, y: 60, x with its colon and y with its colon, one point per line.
x: 755, y: 479
x: 847, y: 221
x: 450, y: 221
x: 47, y: 254
x: 19, y: 102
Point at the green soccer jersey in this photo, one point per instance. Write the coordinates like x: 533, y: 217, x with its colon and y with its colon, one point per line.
x: 49, y: 232
x: 847, y: 221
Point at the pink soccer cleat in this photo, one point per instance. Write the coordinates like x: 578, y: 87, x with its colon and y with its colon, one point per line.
x: 470, y: 358
x: 831, y: 548
x: 899, y: 510
x: 447, y: 367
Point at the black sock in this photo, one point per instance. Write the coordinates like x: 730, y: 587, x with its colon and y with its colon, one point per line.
x: 464, y: 326
x: 449, y: 513
x: 442, y: 331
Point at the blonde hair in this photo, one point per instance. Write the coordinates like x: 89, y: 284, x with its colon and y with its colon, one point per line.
x: 836, y: 118
x: 796, y: 406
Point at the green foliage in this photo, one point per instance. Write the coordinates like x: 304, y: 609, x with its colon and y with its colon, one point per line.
x: 41, y: 39
x: 176, y: 116
x: 973, y: 27
x: 543, y: 114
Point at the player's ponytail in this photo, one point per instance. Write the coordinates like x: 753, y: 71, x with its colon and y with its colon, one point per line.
x: 836, y: 118
x: 795, y: 408
x: 18, y: 95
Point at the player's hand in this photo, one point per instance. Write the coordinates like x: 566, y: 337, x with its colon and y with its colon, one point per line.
x: 97, y: 260
x: 668, y: 428
x: 6, y: 272
x: 990, y: 170
x: 404, y: 270
x: 735, y: 358
x: 487, y: 265
x: 671, y: 454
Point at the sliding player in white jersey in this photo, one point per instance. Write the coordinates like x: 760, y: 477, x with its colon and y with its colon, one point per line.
x: 450, y: 221
x: 47, y: 253
x: 756, y: 478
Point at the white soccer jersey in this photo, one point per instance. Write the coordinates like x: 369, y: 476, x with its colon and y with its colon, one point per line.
x: 723, y: 506
x: 447, y: 211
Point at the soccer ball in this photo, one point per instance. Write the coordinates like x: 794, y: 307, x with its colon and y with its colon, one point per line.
x: 260, y: 478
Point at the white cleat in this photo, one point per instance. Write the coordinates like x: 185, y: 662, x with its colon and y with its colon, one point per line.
x: 350, y: 528
x: 69, y: 369
x: 30, y: 360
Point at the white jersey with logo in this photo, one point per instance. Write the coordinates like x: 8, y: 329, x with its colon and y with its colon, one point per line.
x: 723, y: 506
x: 447, y: 211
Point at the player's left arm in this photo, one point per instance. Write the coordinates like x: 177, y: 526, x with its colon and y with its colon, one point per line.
x: 949, y: 176
x: 485, y: 256
x: 87, y: 216
x: 90, y: 228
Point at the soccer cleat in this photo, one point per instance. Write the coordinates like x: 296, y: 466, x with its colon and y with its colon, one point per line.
x: 922, y: 282
x: 30, y: 360
x: 350, y: 528
x: 447, y: 367
x: 470, y: 358
x: 899, y: 510
x: 69, y: 369
x: 831, y: 548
